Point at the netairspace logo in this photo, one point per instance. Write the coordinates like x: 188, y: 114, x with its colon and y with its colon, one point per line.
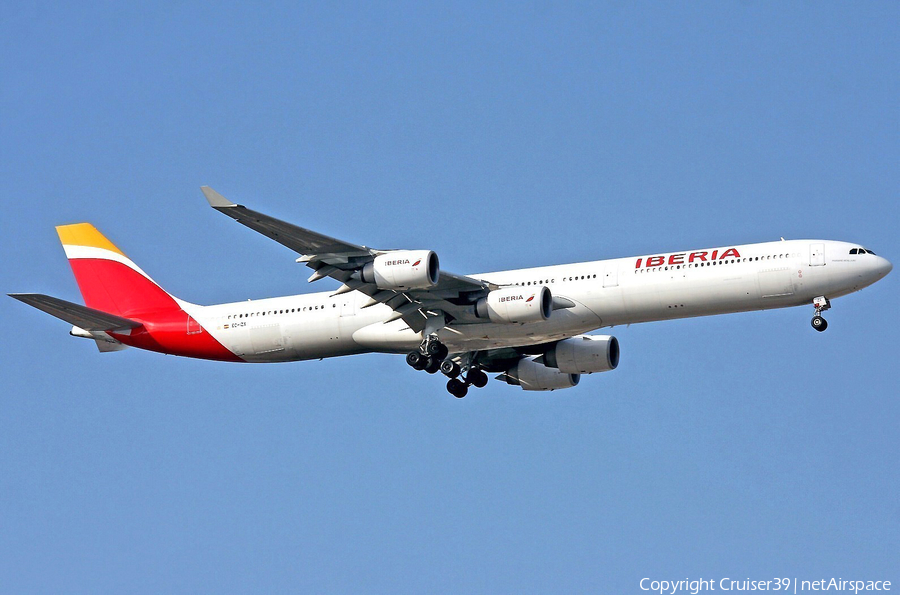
x: 790, y: 585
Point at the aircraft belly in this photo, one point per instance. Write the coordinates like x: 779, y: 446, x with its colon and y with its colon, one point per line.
x: 561, y: 324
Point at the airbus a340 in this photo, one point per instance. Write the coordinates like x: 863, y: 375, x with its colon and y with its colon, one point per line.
x: 526, y: 325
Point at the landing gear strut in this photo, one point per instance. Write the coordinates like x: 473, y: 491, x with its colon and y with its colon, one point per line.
x: 821, y: 304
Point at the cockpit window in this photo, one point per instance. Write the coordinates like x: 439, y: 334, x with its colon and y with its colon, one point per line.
x: 870, y: 252
x: 854, y: 250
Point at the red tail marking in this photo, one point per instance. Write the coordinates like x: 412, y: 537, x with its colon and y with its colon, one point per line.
x: 116, y: 288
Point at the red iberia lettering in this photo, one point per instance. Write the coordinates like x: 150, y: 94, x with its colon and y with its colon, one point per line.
x: 731, y: 252
x: 676, y: 259
x: 697, y: 255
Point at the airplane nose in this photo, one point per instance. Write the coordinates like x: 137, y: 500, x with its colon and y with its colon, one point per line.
x: 883, y: 267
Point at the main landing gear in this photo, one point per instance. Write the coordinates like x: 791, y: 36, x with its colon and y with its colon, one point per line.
x: 429, y: 355
x: 432, y: 356
x: 459, y: 388
x: 821, y: 304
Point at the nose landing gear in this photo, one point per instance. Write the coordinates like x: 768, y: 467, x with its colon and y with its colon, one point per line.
x: 821, y: 304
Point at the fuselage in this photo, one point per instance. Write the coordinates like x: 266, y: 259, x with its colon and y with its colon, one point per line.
x: 604, y: 293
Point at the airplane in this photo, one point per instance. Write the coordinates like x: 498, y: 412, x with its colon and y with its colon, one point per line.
x: 529, y: 326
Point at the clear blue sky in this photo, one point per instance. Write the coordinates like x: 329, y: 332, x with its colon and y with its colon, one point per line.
x: 504, y: 136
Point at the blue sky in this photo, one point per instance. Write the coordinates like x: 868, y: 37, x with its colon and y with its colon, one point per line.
x: 501, y: 136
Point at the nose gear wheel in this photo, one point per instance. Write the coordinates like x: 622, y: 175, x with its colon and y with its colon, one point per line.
x: 821, y: 304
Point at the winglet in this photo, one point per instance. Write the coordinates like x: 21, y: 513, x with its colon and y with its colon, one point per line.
x: 215, y: 199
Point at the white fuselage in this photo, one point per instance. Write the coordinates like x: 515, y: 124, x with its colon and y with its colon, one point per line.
x: 605, y: 293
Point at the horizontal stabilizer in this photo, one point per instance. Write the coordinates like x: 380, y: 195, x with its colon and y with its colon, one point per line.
x: 107, y: 347
x: 81, y: 316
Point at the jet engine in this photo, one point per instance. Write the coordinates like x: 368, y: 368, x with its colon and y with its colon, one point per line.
x: 403, y: 269
x: 584, y: 354
x: 531, y: 375
x: 516, y: 304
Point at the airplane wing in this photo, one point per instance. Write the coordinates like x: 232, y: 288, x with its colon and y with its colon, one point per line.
x: 300, y: 240
x: 83, y: 317
x: 452, y: 296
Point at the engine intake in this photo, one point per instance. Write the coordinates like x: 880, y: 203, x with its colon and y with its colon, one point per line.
x: 403, y: 269
x: 531, y: 375
x: 584, y: 354
x: 516, y: 304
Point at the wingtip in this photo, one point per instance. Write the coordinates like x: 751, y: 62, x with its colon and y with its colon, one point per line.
x: 215, y: 199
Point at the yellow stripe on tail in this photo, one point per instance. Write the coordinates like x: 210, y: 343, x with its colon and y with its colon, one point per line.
x: 84, y: 234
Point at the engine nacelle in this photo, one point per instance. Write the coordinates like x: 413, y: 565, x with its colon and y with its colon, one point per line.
x: 516, y: 304
x: 531, y: 375
x: 584, y: 354
x: 403, y: 269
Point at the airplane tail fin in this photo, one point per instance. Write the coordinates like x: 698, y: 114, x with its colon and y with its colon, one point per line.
x: 109, y: 281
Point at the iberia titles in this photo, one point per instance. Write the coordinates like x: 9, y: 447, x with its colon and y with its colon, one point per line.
x: 687, y: 257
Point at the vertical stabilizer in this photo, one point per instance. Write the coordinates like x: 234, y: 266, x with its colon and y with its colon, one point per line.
x: 109, y: 280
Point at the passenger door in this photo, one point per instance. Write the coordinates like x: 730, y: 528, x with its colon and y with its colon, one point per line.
x: 611, y: 275
x: 816, y: 255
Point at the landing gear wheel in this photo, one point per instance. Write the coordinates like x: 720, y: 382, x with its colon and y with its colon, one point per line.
x: 477, y: 378
x: 433, y: 364
x: 457, y: 388
x: 449, y: 368
x: 819, y: 323
x: 416, y: 360
x: 436, y: 349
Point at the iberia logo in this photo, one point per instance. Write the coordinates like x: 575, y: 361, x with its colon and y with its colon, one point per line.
x: 531, y: 298
x: 416, y: 263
